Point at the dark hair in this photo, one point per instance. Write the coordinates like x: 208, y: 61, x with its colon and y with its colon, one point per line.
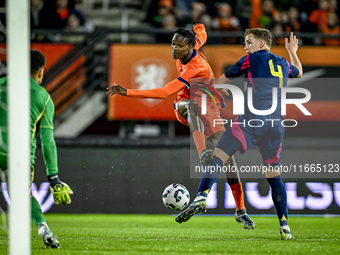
x: 261, y: 33
x: 37, y: 61
x: 187, y: 34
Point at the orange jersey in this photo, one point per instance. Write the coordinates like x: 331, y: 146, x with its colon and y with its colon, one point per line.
x: 195, y: 75
x: 195, y: 69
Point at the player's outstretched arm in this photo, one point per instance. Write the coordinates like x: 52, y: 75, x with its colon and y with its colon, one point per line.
x: 116, y: 89
x: 160, y: 93
x: 292, y: 47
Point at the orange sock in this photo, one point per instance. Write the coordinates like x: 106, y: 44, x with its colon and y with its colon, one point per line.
x: 238, y: 196
x: 199, y: 139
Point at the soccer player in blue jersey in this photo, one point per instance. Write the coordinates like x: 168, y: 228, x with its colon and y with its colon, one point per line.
x: 274, y: 71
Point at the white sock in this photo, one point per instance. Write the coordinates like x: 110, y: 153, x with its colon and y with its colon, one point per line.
x: 200, y: 198
x: 41, y: 228
x: 285, y: 227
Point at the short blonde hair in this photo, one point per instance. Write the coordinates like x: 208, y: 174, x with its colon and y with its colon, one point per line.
x: 261, y: 33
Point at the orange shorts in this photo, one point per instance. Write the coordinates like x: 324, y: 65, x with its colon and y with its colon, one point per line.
x: 213, y: 112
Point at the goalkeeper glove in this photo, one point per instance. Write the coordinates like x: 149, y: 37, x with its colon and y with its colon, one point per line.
x: 60, y: 190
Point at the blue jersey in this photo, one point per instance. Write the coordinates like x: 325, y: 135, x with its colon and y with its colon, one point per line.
x: 263, y: 71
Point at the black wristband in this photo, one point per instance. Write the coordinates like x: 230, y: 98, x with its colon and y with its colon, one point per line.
x: 53, y: 179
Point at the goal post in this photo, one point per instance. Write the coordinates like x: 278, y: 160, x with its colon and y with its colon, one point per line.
x: 18, y: 88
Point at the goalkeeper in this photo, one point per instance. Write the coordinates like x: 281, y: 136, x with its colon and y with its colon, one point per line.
x: 42, y: 110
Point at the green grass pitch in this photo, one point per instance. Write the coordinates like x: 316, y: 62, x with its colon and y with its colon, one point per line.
x: 160, y: 234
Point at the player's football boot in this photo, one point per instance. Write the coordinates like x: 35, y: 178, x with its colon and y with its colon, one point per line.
x: 242, y: 217
x: 194, y: 208
x: 48, y: 238
x: 286, y: 235
x: 206, y: 157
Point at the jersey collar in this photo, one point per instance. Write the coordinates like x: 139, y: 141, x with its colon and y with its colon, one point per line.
x: 193, y: 55
x: 264, y: 51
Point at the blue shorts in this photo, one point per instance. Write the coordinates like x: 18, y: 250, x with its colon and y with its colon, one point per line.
x: 264, y: 131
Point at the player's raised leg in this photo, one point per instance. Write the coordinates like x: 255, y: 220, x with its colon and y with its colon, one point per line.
x: 189, y: 110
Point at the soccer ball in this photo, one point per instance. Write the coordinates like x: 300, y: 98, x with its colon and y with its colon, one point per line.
x: 176, y: 197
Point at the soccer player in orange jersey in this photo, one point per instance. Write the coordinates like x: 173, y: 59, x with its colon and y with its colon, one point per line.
x: 194, y: 78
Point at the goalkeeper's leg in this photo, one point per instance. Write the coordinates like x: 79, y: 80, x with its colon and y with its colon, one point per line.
x: 37, y: 215
x: 44, y: 231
